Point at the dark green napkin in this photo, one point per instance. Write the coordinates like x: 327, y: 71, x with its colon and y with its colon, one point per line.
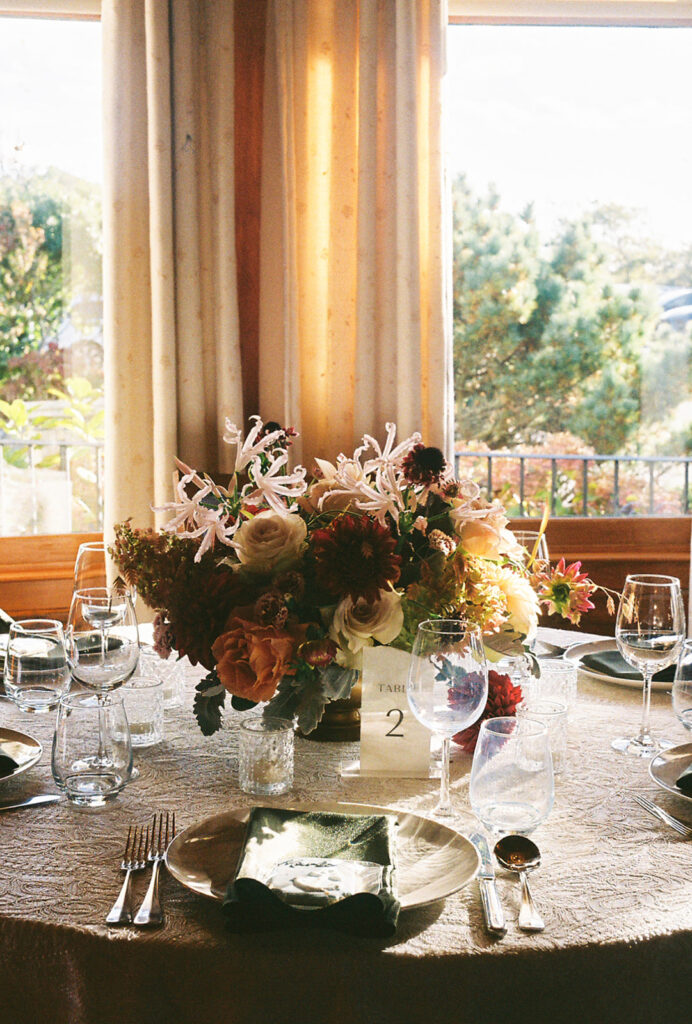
x: 288, y: 855
x: 8, y: 766
x: 612, y: 663
x: 684, y: 782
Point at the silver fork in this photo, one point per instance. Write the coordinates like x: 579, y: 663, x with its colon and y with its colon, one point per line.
x: 134, y: 859
x: 162, y: 832
x: 658, y: 812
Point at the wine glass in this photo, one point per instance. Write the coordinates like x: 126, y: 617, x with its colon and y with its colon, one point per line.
x: 103, y: 640
x: 649, y: 631
x: 447, y: 686
x: 535, y: 544
x: 682, y: 686
x: 91, y: 568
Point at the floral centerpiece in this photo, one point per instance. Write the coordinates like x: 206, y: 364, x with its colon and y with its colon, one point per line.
x: 275, y: 583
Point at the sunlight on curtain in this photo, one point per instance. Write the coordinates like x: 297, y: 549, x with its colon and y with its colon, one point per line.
x: 354, y: 297
x: 170, y: 317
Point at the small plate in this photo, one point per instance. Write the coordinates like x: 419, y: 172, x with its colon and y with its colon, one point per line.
x: 25, y: 750
x: 578, y: 651
x: 669, y: 765
x: 433, y: 861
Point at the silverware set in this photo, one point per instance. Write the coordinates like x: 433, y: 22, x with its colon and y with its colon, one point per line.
x: 143, y: 847
x: 680, y: 827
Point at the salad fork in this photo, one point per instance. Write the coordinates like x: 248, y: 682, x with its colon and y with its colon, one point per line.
x: 658, y: 812
x: 134, y: 859
x: 162, y: 832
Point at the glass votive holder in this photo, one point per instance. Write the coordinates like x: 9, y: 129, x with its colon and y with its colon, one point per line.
x: 265, y: 757
x: 143, y: 696
x: 553, y: 714
x: 91, y: 759
x: 171, y: 670
x: 558, y: 680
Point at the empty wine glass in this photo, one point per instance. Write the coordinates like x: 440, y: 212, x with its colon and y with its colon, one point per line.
x: 536, y: 547
x: 512, y: 787
x: 447, y: 685
x: 103, y: 640
x: 650, y: 631
x: 682, y: 686
x: 36, y: 672
x: 91, y: 568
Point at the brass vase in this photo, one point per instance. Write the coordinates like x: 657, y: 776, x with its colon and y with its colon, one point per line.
x: 340, y: 721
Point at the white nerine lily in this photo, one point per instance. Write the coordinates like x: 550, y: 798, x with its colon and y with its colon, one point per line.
x: 253, y: 446
x: 192, y: 519
x: 388, y: 457
x: 273, y: 486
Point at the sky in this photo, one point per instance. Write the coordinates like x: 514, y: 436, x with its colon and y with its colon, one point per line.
x: 50, y: 96
x: 558, y: 116
x: 567, y: 116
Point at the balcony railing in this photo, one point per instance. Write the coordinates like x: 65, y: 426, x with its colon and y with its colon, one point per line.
x: 50, y: 486
x: 581, y: 485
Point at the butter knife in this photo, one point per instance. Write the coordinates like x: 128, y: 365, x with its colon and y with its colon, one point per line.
x: 33, y: 801
x: 492, y: 908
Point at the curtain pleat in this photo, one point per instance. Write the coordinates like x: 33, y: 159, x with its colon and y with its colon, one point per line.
x: 173, y: 369
x: 355, y: 244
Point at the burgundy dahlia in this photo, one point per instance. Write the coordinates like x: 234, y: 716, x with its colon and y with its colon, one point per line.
x: 355, y: 556
x: 424, y: 466
x: 503, y: 698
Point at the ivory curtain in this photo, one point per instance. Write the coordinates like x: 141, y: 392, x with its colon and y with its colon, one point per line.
x: 170, y: 308
x: 355, y: 314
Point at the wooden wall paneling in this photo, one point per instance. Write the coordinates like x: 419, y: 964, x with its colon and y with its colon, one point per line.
x: 609, y: 549
x: 36, y: 574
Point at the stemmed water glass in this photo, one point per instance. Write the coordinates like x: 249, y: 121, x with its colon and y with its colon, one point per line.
x: 91, y: 568
x: 447, y: 685
x: 650, y: 631
x: 103, y: 640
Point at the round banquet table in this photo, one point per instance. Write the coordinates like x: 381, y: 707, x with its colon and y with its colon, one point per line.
x: 615, y: 889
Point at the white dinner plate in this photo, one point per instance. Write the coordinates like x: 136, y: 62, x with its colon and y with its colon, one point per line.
x: 577, y: 651
x: 433, y: 861
x: 669, y: 765
x: 25, y: 750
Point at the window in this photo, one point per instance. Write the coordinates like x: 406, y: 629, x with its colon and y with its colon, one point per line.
x: 51, y: 346
x: 571, y: 157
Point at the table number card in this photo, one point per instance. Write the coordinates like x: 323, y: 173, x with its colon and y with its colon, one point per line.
x: 392, y: 740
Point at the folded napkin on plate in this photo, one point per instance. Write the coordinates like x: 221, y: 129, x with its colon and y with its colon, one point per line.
x: 8, y: 766
x: 612, y: 663
x: 684, y: 781
x: 315, y: 868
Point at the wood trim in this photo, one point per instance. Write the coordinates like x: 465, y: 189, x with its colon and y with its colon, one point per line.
x: 36, y: 573
x: 250, y: 17
x: 609, y: 549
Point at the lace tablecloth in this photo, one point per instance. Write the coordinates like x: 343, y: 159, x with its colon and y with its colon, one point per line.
x: 615, y: 889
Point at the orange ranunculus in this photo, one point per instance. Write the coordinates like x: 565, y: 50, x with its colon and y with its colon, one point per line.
x: 251, y: 659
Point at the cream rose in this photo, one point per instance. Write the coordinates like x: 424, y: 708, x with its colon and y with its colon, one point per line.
x: 359, y: 623
x: 522, y: 603
x: 479, y: 538
x: 269, y: 541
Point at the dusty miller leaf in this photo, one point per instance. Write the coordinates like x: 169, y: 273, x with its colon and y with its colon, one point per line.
x: 209, y: 699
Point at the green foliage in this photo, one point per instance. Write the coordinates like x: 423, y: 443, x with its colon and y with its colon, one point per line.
x: 544, y: 341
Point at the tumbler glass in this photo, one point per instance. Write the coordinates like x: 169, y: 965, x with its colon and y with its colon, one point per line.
x: 92, y: 751
x: 36, y: 672
x: 511, y: 787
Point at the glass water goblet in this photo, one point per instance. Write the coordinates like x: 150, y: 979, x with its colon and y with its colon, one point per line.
x: 36, y: 672
x: 91, y: 568
x: 649, y: 631
x: 512, y: 787
x: 447, y: 686
x: 103, y: 640
x: 536, y: 547
x: 682, y: 686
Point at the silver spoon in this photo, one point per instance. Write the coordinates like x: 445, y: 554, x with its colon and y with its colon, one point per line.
x: 517, y: 853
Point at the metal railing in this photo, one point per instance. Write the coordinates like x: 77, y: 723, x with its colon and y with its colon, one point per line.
x: 581, y: 485
x: 50, y: 486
